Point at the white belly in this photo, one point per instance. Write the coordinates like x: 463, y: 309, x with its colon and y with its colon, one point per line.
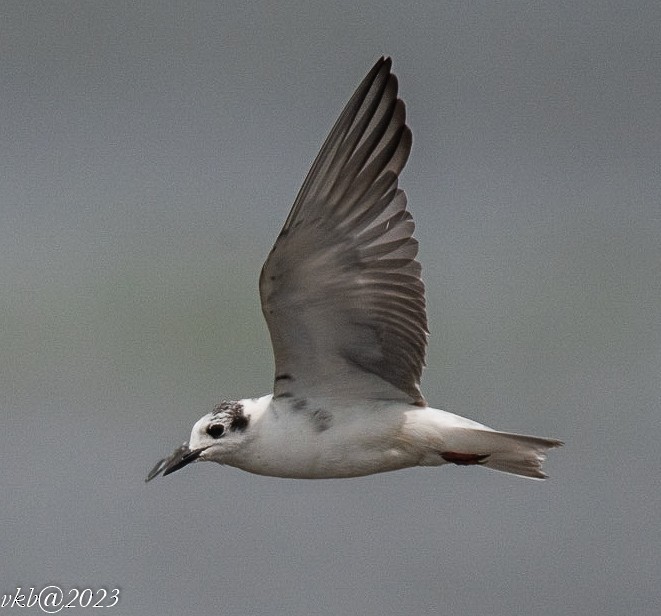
x: 355, y: 443
x: 322, y: 441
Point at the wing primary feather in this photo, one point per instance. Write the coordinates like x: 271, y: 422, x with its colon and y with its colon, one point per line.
x: 336, y: 134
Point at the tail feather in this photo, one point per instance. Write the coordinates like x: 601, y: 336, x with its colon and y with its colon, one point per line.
x: 517, y: 454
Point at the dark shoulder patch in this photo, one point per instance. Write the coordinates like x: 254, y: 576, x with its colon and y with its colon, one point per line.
x: 300, y: 404
x: 322, y: 419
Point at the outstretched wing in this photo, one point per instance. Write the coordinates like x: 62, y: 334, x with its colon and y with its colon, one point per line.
x: 341, y: 289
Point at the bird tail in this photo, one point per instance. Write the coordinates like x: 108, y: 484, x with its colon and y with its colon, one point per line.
x: 502, y: 451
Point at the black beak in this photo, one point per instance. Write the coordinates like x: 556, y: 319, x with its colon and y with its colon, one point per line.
x: 180, y: 457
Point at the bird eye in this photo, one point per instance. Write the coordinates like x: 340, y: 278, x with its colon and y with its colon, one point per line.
x: 216, y: 430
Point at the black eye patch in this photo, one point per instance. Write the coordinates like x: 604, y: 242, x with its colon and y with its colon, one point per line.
x: 239, y: 423
x: 215, y: 430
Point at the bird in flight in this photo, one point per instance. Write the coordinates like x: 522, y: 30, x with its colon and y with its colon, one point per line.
x: 344, y: 302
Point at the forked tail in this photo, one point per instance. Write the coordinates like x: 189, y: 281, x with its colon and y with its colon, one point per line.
x: 502, y: 451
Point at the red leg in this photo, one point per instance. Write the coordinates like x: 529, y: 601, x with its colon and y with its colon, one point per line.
x: 464, y: 459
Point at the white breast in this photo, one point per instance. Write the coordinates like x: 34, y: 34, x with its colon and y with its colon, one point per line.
x: 320, y: 441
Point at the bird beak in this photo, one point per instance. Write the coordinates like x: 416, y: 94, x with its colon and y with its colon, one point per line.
x: 181, y: 457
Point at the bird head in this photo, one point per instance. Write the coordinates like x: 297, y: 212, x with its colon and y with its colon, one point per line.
x: 214, y: 437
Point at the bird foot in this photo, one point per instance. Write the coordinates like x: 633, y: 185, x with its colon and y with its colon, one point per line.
x: 464, y: 459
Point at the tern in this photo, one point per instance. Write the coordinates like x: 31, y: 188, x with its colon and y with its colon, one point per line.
x: 342, y: 295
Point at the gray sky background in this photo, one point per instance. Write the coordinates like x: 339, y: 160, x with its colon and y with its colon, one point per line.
x: 150, y: 153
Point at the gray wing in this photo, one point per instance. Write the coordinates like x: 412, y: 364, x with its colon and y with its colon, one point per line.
x: 341, y: 289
